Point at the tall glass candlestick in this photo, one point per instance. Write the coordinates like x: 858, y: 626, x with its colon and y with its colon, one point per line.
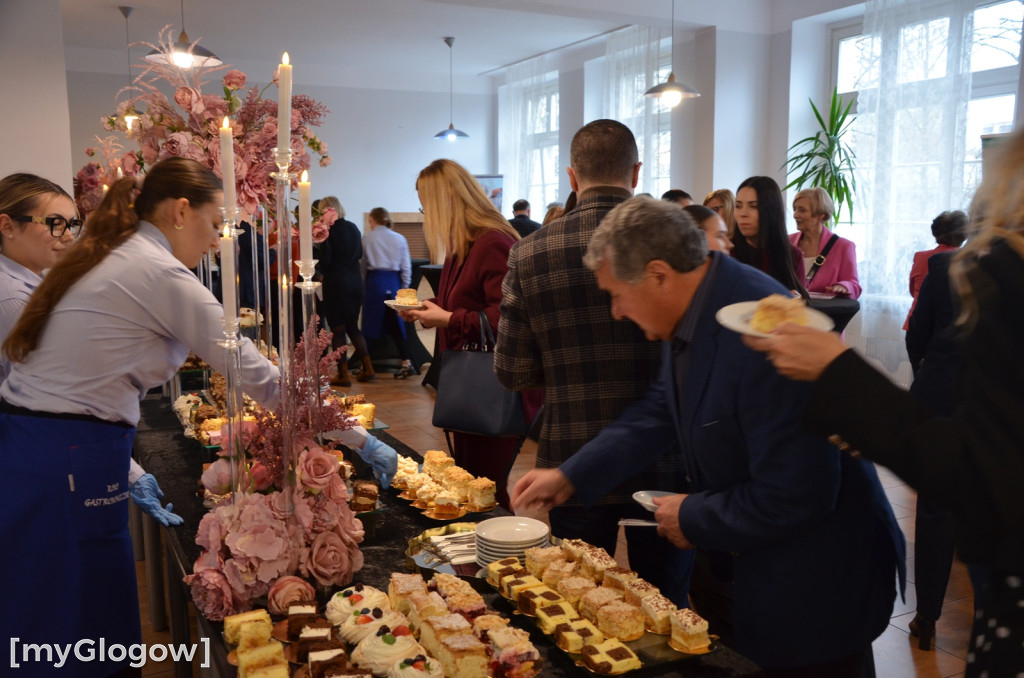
x: 232, y: 344
x: 286, y: 327
x: 228, y: 276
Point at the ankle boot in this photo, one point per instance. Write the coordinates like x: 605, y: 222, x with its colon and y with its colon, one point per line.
x: 341, y: 376
x: 367, y: 372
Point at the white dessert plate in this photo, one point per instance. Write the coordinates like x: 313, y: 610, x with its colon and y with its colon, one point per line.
x: 644, y: 498
x: 391, y: 303
x: 736, y: 317
x: 511, y: 530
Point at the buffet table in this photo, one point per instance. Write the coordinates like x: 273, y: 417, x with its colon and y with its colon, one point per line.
x: 177, y: 463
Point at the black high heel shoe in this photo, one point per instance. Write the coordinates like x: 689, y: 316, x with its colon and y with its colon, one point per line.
x: 924, y: 630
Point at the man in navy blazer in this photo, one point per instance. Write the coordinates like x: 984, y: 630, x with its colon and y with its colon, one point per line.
x: 815, y: 544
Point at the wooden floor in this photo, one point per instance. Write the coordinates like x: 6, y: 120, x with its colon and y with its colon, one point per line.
x: 406, y: 407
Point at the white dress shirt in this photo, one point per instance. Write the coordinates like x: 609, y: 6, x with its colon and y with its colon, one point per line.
x: 16, y: 285
x: 125, y: 328
x: 385, y: 250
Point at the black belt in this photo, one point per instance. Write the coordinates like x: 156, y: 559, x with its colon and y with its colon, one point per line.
x: 7, y: 408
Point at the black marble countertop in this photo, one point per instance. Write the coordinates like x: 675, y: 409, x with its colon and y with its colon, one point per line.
x: 177, y: 463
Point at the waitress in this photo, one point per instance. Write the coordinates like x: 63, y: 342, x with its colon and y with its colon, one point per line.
x: 38, y: 222
x: 114, y: 318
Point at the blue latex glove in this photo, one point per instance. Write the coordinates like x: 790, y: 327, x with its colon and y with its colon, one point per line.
x: 147, y: 493
x: 381, y: 458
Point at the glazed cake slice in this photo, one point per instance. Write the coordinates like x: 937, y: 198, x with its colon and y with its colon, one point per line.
x: 572, y: 636
x: 610, y: 658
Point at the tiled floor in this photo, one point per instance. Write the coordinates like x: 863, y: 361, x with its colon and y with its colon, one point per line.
x: 406, y: 407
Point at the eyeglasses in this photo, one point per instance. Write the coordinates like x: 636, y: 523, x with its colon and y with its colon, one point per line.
x: 421, y: 210
x: 58, y: 225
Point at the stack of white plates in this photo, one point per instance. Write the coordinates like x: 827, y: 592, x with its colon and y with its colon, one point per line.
x: 508, y: 536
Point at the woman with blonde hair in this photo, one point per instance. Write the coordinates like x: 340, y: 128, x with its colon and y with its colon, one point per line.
x: 830, y: 262
x: 723, y: 202
x: 970, y: 463
x: 465, y: 230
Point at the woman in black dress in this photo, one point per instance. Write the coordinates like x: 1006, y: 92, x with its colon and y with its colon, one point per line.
x: 342, y: 286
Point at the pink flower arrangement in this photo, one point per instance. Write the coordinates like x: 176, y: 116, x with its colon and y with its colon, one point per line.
x: 287, y: 590
x: 187, y: 126
x: 276, y: 532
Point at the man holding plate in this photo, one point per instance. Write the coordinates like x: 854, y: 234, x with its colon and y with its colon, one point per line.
x: 814, y: 540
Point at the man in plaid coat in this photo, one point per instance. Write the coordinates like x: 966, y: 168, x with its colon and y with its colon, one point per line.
x: 556, y: 332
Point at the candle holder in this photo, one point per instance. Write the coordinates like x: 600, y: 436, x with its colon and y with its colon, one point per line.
x: 230, y: 216
x: 286, y: 326
x: 233, y: 440
x: 308, y: 286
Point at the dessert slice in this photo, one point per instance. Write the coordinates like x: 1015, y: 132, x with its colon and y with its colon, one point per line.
x: 456, y: 480
x: 539, y: 557
x: 512, y: 653
x: 556, y: 571
x: 516, y: 586
x: 595, y: 562
x: 469, y: 604
x: 638, y: 589
x: 493, y: 568
x: 364, y: 496
x: 481, y: 494
x: 507, y: 574
x: 311, y: 634
x: 463, y: 656
x: 446, y: 503
x: 573, y: 588
x: 406, y: 297
x: 594, y: 599
x: 610, y: 658
x: 272, y: 671
x: 271, y: 654
x: 620, y: 620
x: 574, y: 548
x: 436, y: 629
x: 424, y: 606
x: 486, y: 623
x: 401, y: 587
x: 299, y: 615
x: 320, y: 661
x: 420, y: 666
x: 689, y: 632
x: 572, y: 636
x: 550, y: 616
x: 658, y: 611
x: 539, y: 596
x: 435, y: 462
x: 616, y: 577
x: 233, y: 624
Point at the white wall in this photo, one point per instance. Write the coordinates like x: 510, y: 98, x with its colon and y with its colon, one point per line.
x: 378, y: 140
x: 35, y: 133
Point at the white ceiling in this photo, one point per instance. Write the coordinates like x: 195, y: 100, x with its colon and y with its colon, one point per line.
x: 377, y: 43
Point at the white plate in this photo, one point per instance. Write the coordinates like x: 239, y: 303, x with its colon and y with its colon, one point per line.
x: 511, y: 530
x: 644, y: 498
x: 391, y: 303
x: 736, y: 317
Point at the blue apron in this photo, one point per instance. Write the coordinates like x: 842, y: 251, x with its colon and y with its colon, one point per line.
x: 380, y: 286
x: 70, y: 573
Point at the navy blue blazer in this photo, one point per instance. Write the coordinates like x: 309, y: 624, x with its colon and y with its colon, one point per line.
x: 815, y: 542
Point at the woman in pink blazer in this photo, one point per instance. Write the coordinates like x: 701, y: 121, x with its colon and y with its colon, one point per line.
x: 812, y: 209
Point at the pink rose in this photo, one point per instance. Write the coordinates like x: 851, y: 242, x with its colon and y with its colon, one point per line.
x: 234, y: 79
x: 217, y: 478
x: 315, y: 469
x: 130, y: 163
x: 177, y: 145
x: 329, y: 560
x: 262, y: 477
x: 184, y: 96
x: 287, y: 590
x: 90, y: 151
x: 325, y: 161
x: 210, y: 590
x: 320, y: 232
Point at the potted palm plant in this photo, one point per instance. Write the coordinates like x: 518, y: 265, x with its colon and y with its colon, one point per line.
x: 825, y: 159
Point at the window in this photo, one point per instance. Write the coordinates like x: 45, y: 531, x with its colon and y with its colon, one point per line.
x: 528, y: 135
x: 542, y: 142
x: 927, y: 85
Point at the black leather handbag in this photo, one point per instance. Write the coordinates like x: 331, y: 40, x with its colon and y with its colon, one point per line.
x: 470, y: 399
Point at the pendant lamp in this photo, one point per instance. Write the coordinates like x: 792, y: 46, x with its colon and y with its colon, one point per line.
x: 450, y: 134
x: 671, y: 92
x: 131, y: 116
x: 183, y: 53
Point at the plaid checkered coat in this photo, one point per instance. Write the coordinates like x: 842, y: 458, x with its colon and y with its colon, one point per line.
x: 557, y: 332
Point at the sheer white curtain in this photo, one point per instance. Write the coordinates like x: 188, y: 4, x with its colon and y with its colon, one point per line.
x: 910, y: 133
x: 517, y: 123
x: 632, y: 66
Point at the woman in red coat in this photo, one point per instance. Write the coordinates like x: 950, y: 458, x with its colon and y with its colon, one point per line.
x: 464, y: 228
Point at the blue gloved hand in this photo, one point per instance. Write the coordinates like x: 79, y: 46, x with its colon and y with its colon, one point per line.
x: 381, y: 458
x: 147, y: 493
